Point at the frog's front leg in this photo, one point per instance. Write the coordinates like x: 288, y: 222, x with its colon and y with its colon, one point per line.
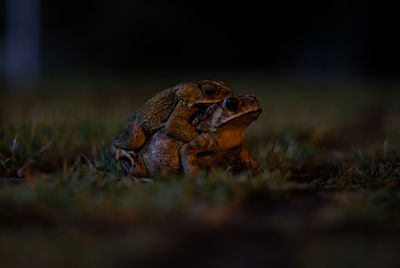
x: 190, y: 151
x: 178, y: 125
x: 250, y: 162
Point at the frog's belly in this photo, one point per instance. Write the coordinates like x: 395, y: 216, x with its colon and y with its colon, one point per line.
x: 161, y: 154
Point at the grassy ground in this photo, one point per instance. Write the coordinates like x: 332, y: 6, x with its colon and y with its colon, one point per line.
x: 330, y: 195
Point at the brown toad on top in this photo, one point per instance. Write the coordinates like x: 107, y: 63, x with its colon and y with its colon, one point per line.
x: 219, y: 144
x: 171, y: 109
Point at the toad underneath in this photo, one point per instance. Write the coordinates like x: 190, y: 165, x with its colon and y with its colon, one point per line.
x: 220, y: 143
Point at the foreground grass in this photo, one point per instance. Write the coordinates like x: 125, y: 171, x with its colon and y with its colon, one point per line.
x: 329, y: 196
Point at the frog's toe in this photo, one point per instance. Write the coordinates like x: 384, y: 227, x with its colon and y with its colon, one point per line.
x: 128, y: 154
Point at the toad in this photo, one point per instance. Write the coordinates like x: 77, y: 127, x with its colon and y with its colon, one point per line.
x: 220, y: 143
x: 171, y: 110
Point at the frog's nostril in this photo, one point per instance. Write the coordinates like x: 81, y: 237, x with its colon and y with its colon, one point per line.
x: 249, y: 95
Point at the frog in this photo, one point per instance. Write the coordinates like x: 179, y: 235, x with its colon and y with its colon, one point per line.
x: 171, y: 109
x: 219, y: 144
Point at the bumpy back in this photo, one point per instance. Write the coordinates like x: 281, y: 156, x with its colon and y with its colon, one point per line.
x: 157, y: 110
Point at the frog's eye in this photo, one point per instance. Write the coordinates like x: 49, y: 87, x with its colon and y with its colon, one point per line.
x: 231, y: 104
x: 208, y: 90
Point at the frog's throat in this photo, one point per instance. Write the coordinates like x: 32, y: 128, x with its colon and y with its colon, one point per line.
x: 240, y: 115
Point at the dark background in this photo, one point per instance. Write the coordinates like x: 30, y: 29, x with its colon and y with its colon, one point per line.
x: 311, y: 39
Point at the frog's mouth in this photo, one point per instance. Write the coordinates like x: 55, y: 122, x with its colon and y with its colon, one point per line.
x: 250, y: 115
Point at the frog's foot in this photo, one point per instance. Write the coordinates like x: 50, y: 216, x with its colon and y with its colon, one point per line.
x: 128, y: 154
x: 133, y: 163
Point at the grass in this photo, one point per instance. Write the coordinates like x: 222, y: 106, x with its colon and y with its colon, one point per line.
x: 330, y: 194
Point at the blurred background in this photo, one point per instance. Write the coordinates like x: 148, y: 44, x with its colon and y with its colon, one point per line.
x: 326, y: 74
x: 312, y: 40
x: 311, y: 63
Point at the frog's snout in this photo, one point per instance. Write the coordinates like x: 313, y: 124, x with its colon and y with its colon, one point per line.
x: 251, y: 102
